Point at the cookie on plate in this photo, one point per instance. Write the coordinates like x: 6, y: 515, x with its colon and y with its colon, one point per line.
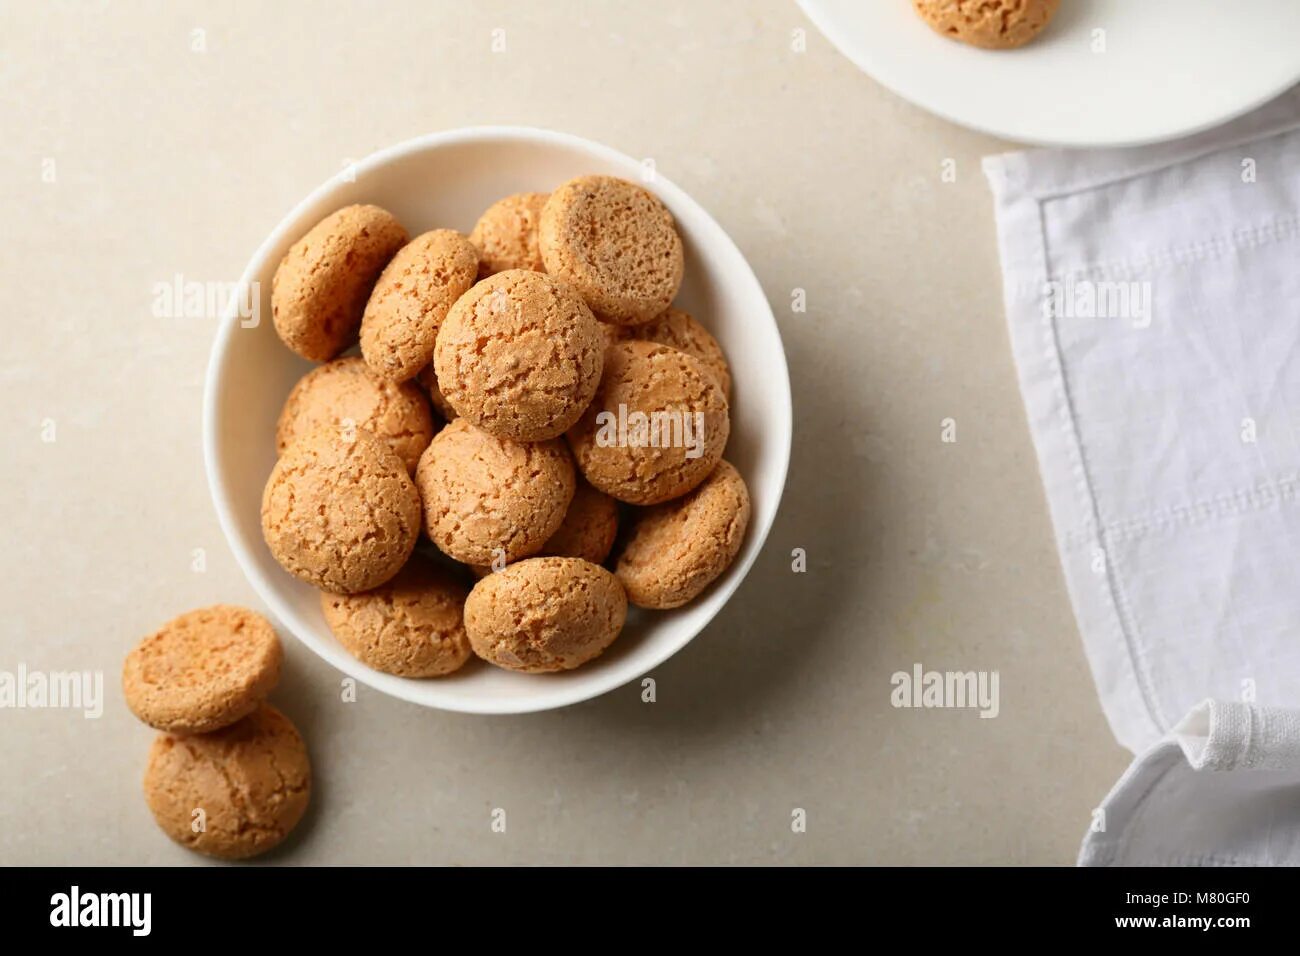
x: 506, y: 235
x: 678, y: 329
x: 991, y: 24
x: 340, y: 511
x: 520, y: 356
x: 616, y: 243
x: 677, y: 549
x: 320, y: 288
x: 410, y: 300
x: 202, y: 670
x: 545, y: 614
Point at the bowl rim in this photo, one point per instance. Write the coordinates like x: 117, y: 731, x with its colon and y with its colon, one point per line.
x: 563, y: 694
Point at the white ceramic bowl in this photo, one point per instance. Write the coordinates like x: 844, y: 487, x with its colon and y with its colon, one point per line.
x: 447, y: 180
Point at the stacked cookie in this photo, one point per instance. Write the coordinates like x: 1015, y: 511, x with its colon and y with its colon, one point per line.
x: 229, y: 774
x: 580, y: 466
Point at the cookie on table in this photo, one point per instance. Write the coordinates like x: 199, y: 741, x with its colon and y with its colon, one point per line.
x: 545, y: 614
x: 340, y: 511
x: 346, y: 390
x: 410, y: 300
x: 202, y: 670
x: 486, y: 497
x: 320, y: 288
x: 413, y: 626
x: 616, y: 243
x: 677, y: 549
x: 233, y: 793
x: 520, y: 356
x: 678, y: 329
x: 991, y: 24
x: 506, y: 235
x: 656, y: 428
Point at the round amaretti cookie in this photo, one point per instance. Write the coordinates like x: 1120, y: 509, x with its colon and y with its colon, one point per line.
x: 202, y: 670
x: 411, y: 299
x: 233, y: 793
x: 614, y: 242
x: 486, y: 497
x: 992, y: 24
x: 413, y: 626
x: 677, y: 549
x: 545, y: 614
x: 506, y: 235
x: 429, y: 379
x: 678, y: 329
x: 346, y: 390
x: 656, y: 428
x: 520, y: 356
x: 588, y: 531
x: 339, y: 511
x: 320, y: 288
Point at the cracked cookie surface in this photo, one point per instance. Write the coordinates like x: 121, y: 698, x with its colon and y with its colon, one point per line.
x: 677, y: 549
x: 616, y: 243
x: 991, y: 24
x: 233, y: 793
x: 411, y: 299
x: 202, y: 670
x: 412, y: 626
x: 680, y: 330
x: 347, y: 390
x: 520, y: 356
x: 545, y: 614
x: 485, y: 496
x: 656, y: 428
x: 320, y: 288
x: 340, y: 511
x: 506, y: 234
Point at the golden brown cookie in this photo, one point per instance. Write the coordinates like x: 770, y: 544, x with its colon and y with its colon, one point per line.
x: 520, y: 356
x: 991, y: 24
x: 346, y: 390
x: 233, y: 793
x: 656, y: 428
x: 411, y: 299
x: 339, y: 511
x: 545, y: 614
x: 677, y: 549
x: 588, y: 531
x: 506, y: 235
x: 202, y: 670
x: 320, y: 288
x: 413, y: 626
x: 678, y: 329
x: 429, y: 379
x: 485, y: 496
x: 614, y: 242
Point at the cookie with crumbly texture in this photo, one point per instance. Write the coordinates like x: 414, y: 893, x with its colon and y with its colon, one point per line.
x: 991, y: 24
x: 486, y: 496
x: 680, y: 330
x: 656, y: 428
x: 413, y: 626
x: 320, y: 288
x: 677, y: 549
x: 203, y: 670
x: 346, y: 390
x: 616, y: 243
x: 340, y: 511
x: 588, y: 531
x: 249, y: 784
x: 545, y: 614
x: 410, y: 300
x: 520, y: 356
x: 506, y: 234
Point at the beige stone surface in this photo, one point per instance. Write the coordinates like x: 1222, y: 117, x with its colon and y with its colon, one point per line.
x: 173, y: 161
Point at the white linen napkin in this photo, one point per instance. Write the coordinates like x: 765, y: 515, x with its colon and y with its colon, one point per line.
x: 1153, y: 298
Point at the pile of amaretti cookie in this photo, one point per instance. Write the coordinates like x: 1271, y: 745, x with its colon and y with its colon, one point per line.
x: 581, y: 411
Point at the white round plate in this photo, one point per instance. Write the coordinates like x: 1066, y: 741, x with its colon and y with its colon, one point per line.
x: 447, y: 180
x: 1103, y: 73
